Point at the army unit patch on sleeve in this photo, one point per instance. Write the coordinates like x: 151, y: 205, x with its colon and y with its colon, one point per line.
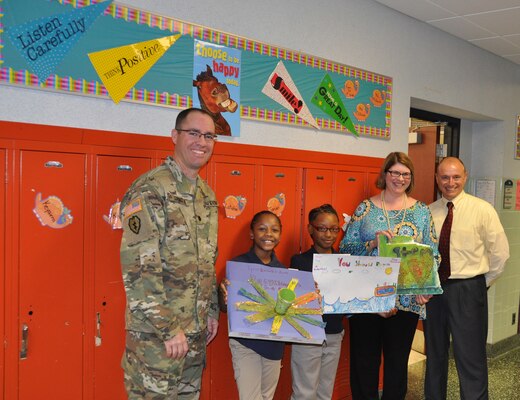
x: 134, y: 223
x: 132, y: 207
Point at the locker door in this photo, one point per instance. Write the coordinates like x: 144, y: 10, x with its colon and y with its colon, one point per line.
x: 51, y: 275
x: 234, y: 187
x: 372, y: 188
x: 317, y: 190
x: 114, y: 176
x: 287, y: 181
x: 280, y: 190
x: 349, y: 191
x: 2, y: 265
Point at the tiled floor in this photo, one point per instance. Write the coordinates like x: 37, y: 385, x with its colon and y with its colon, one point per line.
x: 504, y: 377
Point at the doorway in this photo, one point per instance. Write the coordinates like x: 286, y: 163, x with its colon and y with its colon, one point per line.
x: 432, y: 137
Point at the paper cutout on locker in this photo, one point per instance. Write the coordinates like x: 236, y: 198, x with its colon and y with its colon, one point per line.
x: 51, y: 212
x: 276, y: 204
x: 234, y: 205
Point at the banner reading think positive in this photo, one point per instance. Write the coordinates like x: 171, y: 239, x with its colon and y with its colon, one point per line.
x: 122, y: 67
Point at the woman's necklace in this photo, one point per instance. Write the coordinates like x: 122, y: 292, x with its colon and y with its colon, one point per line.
x: 385, y: 212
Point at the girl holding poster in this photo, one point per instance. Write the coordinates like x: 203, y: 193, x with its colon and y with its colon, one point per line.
x: 257, y: 362
x: 392, y: 212
x: 313, y: 367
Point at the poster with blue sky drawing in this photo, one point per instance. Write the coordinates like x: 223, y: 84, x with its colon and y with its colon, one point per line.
x: 356, y: 284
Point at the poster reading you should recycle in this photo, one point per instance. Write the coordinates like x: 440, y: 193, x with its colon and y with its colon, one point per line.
x: 356, y: 284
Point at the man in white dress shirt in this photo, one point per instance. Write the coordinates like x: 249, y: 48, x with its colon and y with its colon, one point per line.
x: 477, y: 250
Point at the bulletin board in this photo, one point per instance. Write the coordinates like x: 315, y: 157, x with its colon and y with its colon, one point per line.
x: 367, y: 96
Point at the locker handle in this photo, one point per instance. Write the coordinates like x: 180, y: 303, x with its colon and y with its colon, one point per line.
x: 53, y: 164
x: 98, y: 330
x: 25, y: 342
x: 124, y: 168
x: 279, y: 175
x: 320, y: 177
x: 351, y: 179
x: 235, y: 172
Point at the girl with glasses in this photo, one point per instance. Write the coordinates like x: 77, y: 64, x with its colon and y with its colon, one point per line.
x: 313, y: 367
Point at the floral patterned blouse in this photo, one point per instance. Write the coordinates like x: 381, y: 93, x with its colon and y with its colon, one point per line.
x: 368, y: 219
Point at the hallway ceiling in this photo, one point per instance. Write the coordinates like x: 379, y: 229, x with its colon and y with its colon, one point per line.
x: 493, y: 25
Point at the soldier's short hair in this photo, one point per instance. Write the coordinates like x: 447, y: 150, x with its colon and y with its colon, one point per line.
x: 184, y: 114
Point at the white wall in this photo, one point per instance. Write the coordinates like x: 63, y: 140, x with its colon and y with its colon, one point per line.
x: 425, y: 64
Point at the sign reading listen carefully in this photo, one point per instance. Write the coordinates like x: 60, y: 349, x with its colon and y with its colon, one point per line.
x: 44, y: 42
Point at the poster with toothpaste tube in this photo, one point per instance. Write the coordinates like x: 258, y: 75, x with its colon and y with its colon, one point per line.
x: 216, y: 85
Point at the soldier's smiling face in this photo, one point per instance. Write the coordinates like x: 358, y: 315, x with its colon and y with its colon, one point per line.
x: 192, y: 152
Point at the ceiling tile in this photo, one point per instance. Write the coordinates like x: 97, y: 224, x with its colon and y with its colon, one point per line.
x: 500, y: 22
x: 462, y: 28
x: 465, y: 7
x: 419, y: 9
x: 497, y: 45
x: 515, y: 39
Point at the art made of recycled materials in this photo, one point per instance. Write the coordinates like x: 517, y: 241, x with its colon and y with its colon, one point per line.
x: 273, y: 304
x: 418, y: 271
x: 356, y: 284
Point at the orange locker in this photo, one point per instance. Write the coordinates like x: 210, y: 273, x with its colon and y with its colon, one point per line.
x: 372, y: 179
x: 2, y: 265
x: 114, y: 174
x: 317, y: 190
x: 51, y: 275
x: 280, y: 190
x: 349, y: 191
x: 234, y: 186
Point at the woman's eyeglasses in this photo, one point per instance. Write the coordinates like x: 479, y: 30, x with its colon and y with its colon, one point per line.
x: 397, y: 174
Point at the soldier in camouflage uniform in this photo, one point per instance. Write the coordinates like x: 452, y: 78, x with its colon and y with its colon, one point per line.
x: 168, y: 255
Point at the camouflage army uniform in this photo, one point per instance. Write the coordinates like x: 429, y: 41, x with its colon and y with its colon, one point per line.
x: 168, y: 255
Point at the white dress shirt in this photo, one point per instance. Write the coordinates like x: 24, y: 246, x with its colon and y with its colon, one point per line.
x: 478, y: 243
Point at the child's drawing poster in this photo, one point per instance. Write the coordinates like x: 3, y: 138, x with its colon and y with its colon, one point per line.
x: 273, y: 304
x: 356, y: 284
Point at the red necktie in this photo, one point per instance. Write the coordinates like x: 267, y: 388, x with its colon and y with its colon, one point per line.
x: 444, y: 245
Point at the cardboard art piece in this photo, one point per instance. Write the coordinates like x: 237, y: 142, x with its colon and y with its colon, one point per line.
x: 273, y: 304
x: 417, y: 274
x: 355, y: 284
